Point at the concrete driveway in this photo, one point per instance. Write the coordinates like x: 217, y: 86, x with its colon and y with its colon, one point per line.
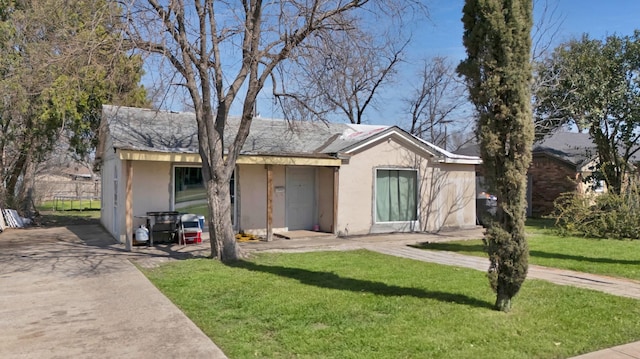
x: 65, y: 297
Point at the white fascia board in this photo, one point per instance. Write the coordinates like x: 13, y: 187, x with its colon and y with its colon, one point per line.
x: 462, y: 161
x: 387, y: 135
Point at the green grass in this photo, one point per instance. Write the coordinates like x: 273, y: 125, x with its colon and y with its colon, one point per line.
x: 200, y: 209
x: 70, y: 205
x: 619, y: 258
x: 367, y: 305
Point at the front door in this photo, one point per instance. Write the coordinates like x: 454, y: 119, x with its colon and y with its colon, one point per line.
x: 301, y: 198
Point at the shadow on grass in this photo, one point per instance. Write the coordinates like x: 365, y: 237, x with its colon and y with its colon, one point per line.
x: 541, y: 223
x: 333, y: 281
x: 479, y: 249
x: 451, y: 247
x: 540, y: 254
x: 66, y: 218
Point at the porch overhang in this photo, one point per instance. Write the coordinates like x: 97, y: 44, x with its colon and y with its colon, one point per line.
x: 135, y: 155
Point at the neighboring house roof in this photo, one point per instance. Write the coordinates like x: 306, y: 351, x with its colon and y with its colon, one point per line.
x: 576, y: 149
x: 176, y: 132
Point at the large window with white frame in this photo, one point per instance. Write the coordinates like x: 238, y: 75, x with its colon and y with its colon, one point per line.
x: 396, y: 195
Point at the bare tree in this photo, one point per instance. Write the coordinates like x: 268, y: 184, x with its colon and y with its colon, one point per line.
x: 545, y: 30
x: 221, y: 49
x: 434, y: 103
x: 341, y: 75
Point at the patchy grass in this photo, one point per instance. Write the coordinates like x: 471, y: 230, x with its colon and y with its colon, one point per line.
x: 368, y: 305
x: 71, y: 205
x: 201, y: 209
x: 66, y: 218
x: 620, y: 258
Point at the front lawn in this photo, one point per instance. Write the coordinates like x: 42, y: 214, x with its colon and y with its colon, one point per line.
x: 619, y: 258
x: 368, y: 305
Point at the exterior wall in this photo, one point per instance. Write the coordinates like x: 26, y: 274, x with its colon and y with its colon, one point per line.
x: 325, y: 198
x: 110, y: 175
x: 448, y: 201
x: 152, y: 189
x: 549, y: 179
x: 279, y: 198
x: 252, y: 182
x: 252, y: 196
x: 446, y: 196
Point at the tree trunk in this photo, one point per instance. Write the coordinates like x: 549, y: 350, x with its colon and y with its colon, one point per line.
x: 12, y: 182
x: 221, y: 233
x: 503, y: 301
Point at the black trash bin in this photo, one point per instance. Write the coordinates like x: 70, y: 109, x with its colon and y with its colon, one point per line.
x: 163, y: 226
x: 486, y: 207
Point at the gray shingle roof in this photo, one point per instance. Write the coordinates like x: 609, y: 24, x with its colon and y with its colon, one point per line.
x: 575, y: 148
x: 176, y: 132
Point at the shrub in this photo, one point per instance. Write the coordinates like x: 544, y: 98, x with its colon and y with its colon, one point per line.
x: 606, y: 215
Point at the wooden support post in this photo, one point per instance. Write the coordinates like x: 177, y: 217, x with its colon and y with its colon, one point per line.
x: 269, y: 203
x: 128, y: 205
x: 334, y: 226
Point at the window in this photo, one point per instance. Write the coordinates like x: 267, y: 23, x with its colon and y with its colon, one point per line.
x: 189, y: 187
x: 190, y: 194
x: 396, y: 195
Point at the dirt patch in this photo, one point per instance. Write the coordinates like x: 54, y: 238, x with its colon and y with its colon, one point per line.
x: 66, y: 218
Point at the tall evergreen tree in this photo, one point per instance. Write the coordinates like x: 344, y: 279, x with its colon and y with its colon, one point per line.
x: 497, y: 36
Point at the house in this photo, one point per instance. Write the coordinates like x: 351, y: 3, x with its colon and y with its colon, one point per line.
x: 337, y: 178
x: 560, y: 163
x: 65, y: 181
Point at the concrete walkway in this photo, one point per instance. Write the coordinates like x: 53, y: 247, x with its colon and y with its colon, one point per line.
x: 63, y: 297
x: 616, y: 286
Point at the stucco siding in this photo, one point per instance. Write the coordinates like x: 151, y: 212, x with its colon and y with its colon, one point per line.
x: 279, y: 197
x: 253, y: 198
x: 152, y: 188
x: 356, y: 193
x: 446, y: 192
x: 110, y: 169
x: 325, y: 198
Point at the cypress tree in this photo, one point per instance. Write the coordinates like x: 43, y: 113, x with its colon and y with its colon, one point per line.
x: 497, y: 71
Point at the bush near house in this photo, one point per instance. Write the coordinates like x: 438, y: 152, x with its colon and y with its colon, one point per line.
x: 607, y: 215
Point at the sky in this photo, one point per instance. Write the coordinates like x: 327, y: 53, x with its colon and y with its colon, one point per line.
x: 441, y: 35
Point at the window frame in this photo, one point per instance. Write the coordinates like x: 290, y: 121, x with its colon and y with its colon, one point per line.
x: 233, y: 194
x: 413, y: 222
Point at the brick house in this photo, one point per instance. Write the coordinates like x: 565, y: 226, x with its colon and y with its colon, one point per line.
x: 560, y: 163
